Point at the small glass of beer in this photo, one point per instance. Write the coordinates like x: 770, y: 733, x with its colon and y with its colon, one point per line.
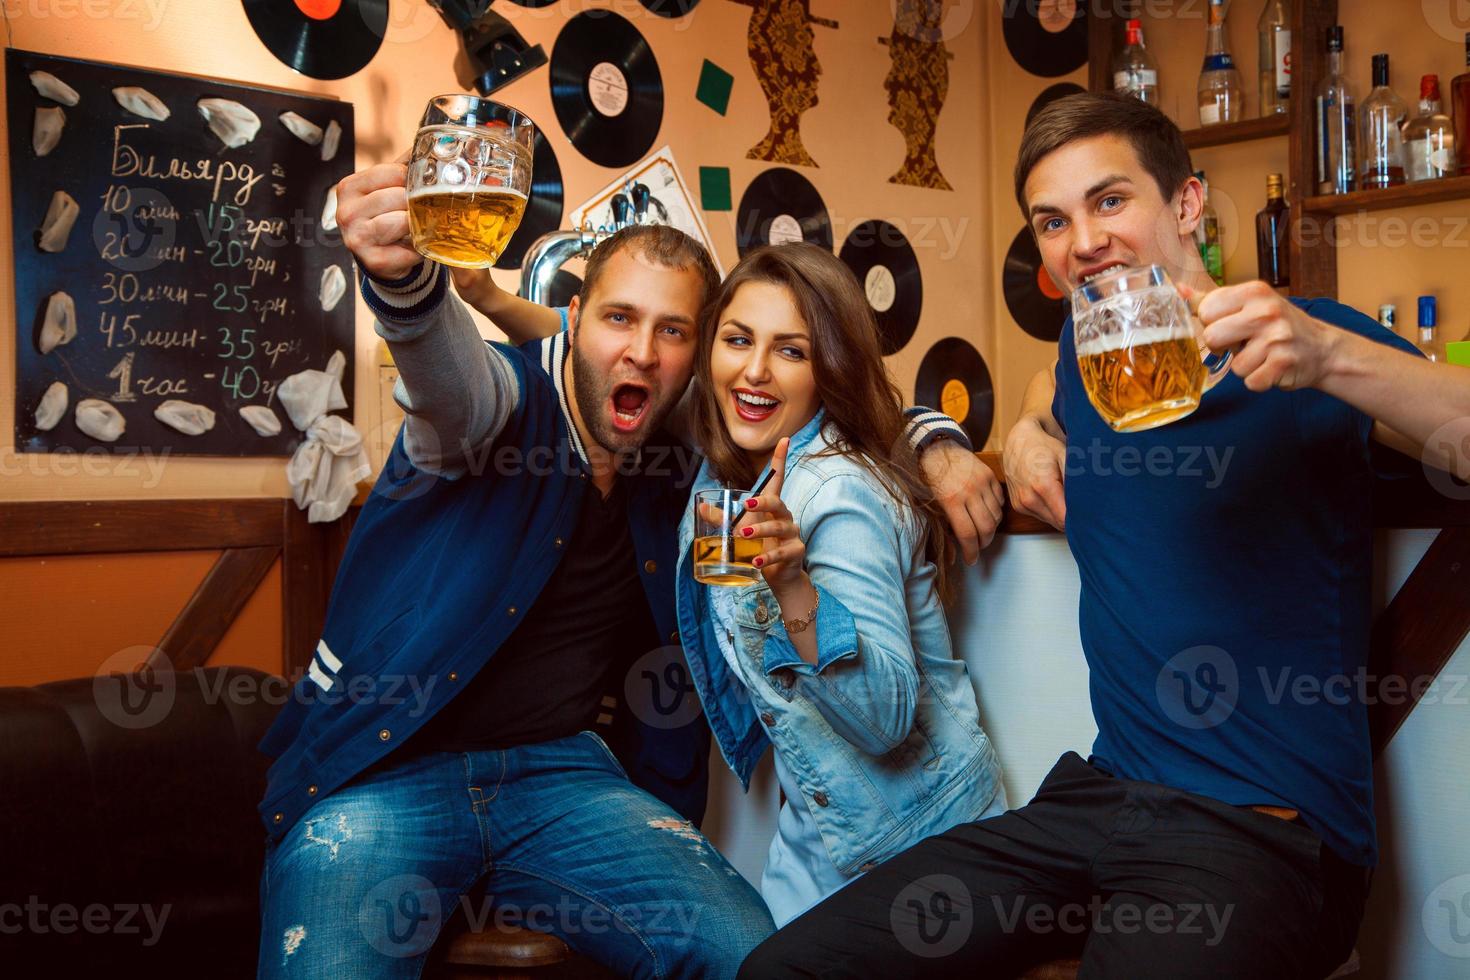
x: 468, y: 178
x: 721, y: 555
x: 1139, y: 349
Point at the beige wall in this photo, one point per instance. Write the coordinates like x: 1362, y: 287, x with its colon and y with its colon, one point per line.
x: 847, y: 134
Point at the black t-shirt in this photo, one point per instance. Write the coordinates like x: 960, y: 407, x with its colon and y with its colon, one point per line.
x: 547, y: 679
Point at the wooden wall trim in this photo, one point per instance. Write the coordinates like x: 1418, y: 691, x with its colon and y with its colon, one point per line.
x: 207, y: 616
x: 40, y: 528
x: 305, y: 587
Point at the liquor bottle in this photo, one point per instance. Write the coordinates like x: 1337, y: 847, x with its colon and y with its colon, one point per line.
x: 1388, y: 316
x: 1272, y: 225
x: 1429, y: 345
x: 1429, y: 138
x: 1134, y: 70
x: 1337, y: 124
x: 1219, y: 93
x: 1460, y: 103
x: 1274, y: 33
x: 1381, y: 140
x: 1207, y: 236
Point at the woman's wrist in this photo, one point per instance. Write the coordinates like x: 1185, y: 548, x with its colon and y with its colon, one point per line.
x: 797, y: 597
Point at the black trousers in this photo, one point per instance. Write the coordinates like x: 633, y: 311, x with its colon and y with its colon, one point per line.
x: 1139, y: 879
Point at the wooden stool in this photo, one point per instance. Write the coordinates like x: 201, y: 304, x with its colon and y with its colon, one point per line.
x: 506, y: 952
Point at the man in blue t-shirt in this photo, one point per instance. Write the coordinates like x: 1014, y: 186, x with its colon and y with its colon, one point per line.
x: 1223, y: 825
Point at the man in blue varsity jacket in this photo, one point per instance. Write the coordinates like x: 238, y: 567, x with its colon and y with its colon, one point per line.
x: 486, y: 604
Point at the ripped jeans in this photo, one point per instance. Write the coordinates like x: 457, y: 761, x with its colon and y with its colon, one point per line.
x: 552, y: 837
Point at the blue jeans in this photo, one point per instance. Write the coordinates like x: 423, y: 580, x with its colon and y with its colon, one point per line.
x: 564, y: 843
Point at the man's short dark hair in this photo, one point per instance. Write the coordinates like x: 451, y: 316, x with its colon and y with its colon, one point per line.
x: 1155, y: 138
x: 664, y: 246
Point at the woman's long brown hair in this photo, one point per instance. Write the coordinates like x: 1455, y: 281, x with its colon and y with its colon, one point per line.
x: 864, y: 407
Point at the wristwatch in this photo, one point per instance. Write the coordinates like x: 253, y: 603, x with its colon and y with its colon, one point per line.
x: 799, y: 625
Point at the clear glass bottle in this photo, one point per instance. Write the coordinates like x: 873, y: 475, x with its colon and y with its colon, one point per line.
x: 1207, y: 236
x: 1273, y: 253
x: 1381, y: 137
x: 1429, y: 344
x: 1219, y: 93
x: 1429, y: 138
x: 1337, y: 124
x: 1460, y: 108
x: 1273, y: 32
x: 1134, y: 70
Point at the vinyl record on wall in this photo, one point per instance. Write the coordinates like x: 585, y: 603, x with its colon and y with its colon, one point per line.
x: 1049, y: 95
x: 544, y: 206
x: 564, y: 285
x: 320, y: 38
x: 781, y: 206
x: 888, y: 270
x: 954, y: 379
x: 533, y: 4
x: 1046, y: 37
x: 606, y: 88
x: 670, y: 8
x: 1034, y: 300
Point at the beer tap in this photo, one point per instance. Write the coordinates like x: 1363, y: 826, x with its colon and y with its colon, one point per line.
x: 556, y: 248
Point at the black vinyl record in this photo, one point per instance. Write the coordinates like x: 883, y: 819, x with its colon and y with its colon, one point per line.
x: 779, y: 206
x: 1049, y: 95
x: 544, y: 206
x: 320, y: 38
x: 888, y: 270
x: 954, y: 379
x: 564, y: 285
x: 1035, y: 302
x: 606, y: 88
x: 1047, y: 37
x: 670, y: 8
x: 533, y: 4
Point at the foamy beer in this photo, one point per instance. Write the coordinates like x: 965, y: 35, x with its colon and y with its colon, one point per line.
x: 1139, y: 349
x: 468, y: 178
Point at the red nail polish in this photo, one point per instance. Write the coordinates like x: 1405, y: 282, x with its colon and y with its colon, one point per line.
x: 751, y: 502
x: 758, y: 562
x: 747, y: 531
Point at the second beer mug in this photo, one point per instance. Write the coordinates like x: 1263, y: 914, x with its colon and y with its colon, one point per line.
x: 1139, y: 349
x: 468, y: 178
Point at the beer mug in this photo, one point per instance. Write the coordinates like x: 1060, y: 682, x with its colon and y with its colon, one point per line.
x: 1139, y: 349
x: 721, y: 555
x: 468, y: 178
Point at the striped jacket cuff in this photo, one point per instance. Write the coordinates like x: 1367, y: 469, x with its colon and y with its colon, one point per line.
x: 406, y: 300
x: 926, y: 425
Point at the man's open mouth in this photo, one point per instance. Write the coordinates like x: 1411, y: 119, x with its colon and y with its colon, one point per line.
x: 629, y: 402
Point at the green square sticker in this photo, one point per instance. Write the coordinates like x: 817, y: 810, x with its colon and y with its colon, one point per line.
x: 714, y: 86
x: 714, y: 188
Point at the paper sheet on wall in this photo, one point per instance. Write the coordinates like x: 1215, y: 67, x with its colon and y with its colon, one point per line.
x: 670, y: 202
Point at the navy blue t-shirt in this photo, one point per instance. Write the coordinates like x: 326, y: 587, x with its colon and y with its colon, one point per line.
x: 1226, y: 563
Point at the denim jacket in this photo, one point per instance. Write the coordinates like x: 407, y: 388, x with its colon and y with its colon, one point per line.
x: 882, y: 734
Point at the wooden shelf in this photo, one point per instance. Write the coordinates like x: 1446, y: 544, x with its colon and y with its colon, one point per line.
x: 1244, y: 131
x: 1403, y: 196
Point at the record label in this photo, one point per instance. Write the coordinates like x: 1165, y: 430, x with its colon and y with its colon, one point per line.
x: 954, y: 399
x: 885, y: 264
x: 955, y: 379
x: 1035, y: 302
x: 778, y: 207
x: 880, y: 289
x: 325, y: 39
x: 608, y: 89
x: 784, y: 230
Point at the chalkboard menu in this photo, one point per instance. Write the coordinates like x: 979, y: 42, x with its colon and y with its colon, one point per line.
x: 172, y: 264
